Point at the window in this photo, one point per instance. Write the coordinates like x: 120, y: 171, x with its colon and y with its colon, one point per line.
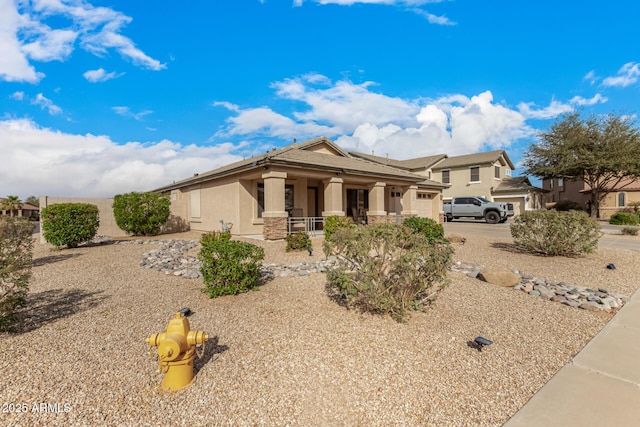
x: 260, y: 199
x: 428, y: 174
x: 551, y: 183
x: 497, y: 172
x: 288, y: 198
x: 622, y: 199
x: 475, y: 174
x: 423, y: 196
x: 560, y: 182
x: 507, y: 172
x: 396, y: 194
x: 445, y: 177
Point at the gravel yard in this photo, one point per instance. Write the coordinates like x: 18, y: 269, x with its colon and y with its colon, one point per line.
x: 287, y: 354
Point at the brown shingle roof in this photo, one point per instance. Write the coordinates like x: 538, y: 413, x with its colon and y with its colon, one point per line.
x: 296, y: 155
x: 409, y: 164
x: 516, y: 183
x: 474, y: 159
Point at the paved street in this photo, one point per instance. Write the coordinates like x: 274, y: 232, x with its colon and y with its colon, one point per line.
x: 611, y: 239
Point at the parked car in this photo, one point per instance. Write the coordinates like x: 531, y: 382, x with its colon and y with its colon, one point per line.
x: 478, y: 208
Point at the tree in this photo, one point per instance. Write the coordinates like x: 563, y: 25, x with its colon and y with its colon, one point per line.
x: 602, y: 151
x: 33, y: 201
x: 141, y: 213
x: 11, y: 204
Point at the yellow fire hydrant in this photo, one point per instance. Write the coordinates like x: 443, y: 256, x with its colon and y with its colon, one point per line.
x: 176, y: 349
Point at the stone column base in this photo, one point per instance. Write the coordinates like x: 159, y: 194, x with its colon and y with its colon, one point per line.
x: 275, y: 228
x: 377, y: 219
x: 441, y: 218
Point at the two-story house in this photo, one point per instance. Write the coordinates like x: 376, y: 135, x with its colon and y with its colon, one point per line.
x: 626, y: 196
x: 485, y: 174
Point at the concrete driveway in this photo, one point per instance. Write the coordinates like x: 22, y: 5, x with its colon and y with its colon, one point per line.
x: 612, y: 237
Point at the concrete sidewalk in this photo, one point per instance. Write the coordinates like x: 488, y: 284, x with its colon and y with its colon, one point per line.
x: 601, y: 385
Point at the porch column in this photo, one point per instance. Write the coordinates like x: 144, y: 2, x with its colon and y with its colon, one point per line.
x: 333, y: 197
x: 274, y: 215
x: 376, y: 213
x: 409, y: 202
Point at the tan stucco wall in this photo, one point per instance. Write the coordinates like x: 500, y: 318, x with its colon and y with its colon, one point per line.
x: 108, y: 226
x: 461, y: 185
x: 609, y: 205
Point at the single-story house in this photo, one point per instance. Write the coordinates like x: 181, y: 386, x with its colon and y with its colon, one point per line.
x: 23, y: 210
x: 299, y: 185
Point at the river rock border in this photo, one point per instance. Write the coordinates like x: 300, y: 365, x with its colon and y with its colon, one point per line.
x: 573, y: 296
x: 171, y: 259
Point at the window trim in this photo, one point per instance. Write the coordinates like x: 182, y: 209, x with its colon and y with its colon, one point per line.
x: 448, y: 171
x: 622, y: 194
x: 471, y: 181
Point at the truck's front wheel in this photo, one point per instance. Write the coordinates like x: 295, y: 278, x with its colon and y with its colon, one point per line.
x: 492, y: 217
x: 449, y: 218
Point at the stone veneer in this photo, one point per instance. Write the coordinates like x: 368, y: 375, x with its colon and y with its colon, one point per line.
x: 386, y: 219
x: 275, y: 228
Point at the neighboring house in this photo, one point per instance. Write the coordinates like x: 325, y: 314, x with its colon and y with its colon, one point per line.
x: 26, y: 210
x: 621, y: 199
x: 312, y: 180
x: 485, y: 174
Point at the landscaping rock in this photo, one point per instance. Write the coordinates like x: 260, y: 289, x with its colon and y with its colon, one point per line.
x: 505, y: 279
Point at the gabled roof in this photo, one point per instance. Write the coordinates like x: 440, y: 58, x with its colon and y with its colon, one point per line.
x: 474, y: 159
x: 517, y: 183
x: 300, y: 155
x: 409, y: 164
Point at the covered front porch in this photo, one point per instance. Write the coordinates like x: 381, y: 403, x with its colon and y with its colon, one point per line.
x: 287, y: 201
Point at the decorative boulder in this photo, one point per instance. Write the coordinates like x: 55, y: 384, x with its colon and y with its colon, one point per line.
x: 503, y: 278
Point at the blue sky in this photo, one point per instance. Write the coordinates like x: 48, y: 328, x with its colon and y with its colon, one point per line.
x: 105, y: 97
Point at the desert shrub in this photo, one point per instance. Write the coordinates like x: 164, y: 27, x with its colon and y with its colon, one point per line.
x: 387, y: 268
x: 298, y: 240
x: 556, y: 233
x: 228, y: 266
x: 425, y: 226
x: 141, y: 213
x: 69, y: 224
x: 334, y: 222
x: 16, y: 246
x: 630, y: 231
x: 623, y: 218
x: 568, y: 205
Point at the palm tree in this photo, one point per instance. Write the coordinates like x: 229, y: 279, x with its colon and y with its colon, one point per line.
x: 12, y: 204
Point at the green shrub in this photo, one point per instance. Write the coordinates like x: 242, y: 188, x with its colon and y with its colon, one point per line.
x: 556, y: 233
x: 334, y: 222
x: 228, y: 266
x: 568, y: 205
x: 69, y: 224
x: 141, y: 213
x: 623, y: 218
x: 16, y: 246
x: 298, y: 240
x: 630, y: 231
x: 387, y: 268
x: 426, y: 226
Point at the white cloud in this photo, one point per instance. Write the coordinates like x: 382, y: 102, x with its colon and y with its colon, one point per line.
x: 627, y: 75
x: 229, y: 106
x: 126, y: 112
x: 409, y: 5
x: 46, y: 104
x: 100, y: 75
x: 554, y: 109
x: 39, y: 161
x: 18, y: 96
x: 24, y: 35
x: 596, y: 99
x: 590, y: 77
x: 364, y: 120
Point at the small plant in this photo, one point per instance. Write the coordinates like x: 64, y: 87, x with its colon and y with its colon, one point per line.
x: 141, y: 213
x: 556, y: 233
x: 568, y: 205
x: 298, y: 241
x: 427, y: 227
x: 16, y: 246
x: 387, y: 268
x: 630, y: 231
x: 333, y: 223
x: 623, y: 218
x: 228, y: 266
x: 69, y: 224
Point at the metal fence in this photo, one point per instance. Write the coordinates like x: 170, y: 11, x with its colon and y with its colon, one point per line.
x: 312, y: 225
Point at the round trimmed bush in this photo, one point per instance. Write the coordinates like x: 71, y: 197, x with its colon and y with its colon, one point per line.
x: 69, y: 224
x: 623, y: 218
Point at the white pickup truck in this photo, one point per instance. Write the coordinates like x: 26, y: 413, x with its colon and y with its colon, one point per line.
x: 478, y: 208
